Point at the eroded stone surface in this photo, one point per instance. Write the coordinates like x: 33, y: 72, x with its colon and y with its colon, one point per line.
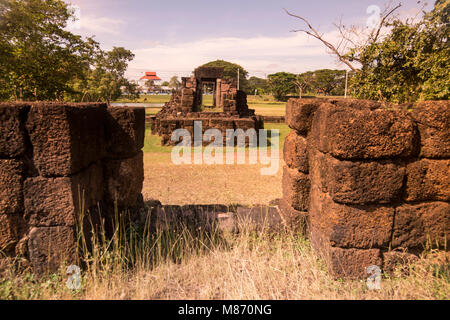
x: 417, y: 225
x: 350, y: 226
x: 50, y: 247
x: 296, y: 187
x: 59, y: 201
x: 428, y: 180
x: 300, y: 112
x: 295, y: 152
x: 11, y: 190
x: 125, y: 131
x: 66, y: 138
x: 358, y: 182
x: 349, y: 133
x: 124, y: 180
x: 433, y: 119
x: 12, y: 132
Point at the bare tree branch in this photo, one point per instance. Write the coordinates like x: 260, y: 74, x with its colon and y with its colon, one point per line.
x: 314, y: 33
x: 383, y: 20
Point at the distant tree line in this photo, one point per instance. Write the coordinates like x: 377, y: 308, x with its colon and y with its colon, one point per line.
x: 283, y: 84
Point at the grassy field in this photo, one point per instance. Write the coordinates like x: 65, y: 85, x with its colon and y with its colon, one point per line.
x: 264, y: 106
x: 205, y: 184
x: 152, y: 143
x: 146, y: 98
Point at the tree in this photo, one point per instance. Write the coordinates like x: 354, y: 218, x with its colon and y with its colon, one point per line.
x: 304, y: 81
x: 38, y: 57
x: 165, y: 84
x: 105, y: 80
x: 230, y: 72
x: 331, y: 82
x: 411, y: 63
x: 281, y: 84
x: 149, y: 84
x: 257, y: 84
x: 397, y: 60
x: 174, y: 83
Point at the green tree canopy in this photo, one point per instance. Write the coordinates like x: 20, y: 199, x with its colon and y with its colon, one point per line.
x: 255, y: 83
x: 106, y: 80
x: 330, y: 82
x: 38, y: 57
x: 174, y: 83
x: 231, y: 71
x: 282, y: 84
x: 411, y: 63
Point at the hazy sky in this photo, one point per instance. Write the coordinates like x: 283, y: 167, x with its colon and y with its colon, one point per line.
x: 174, y: 37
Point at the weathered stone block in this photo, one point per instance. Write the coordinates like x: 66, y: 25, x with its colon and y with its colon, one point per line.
x: 258, y: 218
x: 66, y: 138
x: 59, y: 201
x: 124, y: 180
x: 125, y: 131
x: 393, y: 260
x: 300, y: 112
x: 11, y: 228
x: 12, y: 133
x: 244, y: 124
x: 419, y: 224
x: 296, y: 187
x: 346, y: 263
x: 209, y: 73
x: 49, y: 247
x: 428, y: 180
x: 11, y: 186
x: 358, y: 182
x: 352, y: 134
x: 350, y: 226
x: 295, y: 152
x: 433, y: 119
x: 293, y: 218
x: 356, y: 103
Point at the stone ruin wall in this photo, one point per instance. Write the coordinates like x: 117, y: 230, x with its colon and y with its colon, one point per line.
x: 55, y: 160
x: 372, y: 182
x: 184, y: 108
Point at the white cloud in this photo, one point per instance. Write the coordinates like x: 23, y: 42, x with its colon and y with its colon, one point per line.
x: 259, y: 55
x: 100, y: 25
x: 89, y: 24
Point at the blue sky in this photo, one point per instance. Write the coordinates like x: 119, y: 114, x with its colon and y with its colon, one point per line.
x: 174, y: 37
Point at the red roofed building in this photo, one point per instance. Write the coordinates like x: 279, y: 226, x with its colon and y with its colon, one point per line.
x: 150, y: 76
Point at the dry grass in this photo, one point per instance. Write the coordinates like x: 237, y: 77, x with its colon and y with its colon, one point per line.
x: 203, y: 184
x: 247, y: 265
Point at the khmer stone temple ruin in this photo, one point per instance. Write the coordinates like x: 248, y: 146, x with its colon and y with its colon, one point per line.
x: 185, y: 107
x: 369, y: 182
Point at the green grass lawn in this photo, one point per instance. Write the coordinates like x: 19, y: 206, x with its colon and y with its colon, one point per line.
x: 153, y: 142
x: 146, y: 98
x: 263, y: 105
x: 152, y: 111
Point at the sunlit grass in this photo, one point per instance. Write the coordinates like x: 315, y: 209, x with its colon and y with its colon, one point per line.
x: 182, y: 260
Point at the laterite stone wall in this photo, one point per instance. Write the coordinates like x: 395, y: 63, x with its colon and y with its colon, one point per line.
x: 57, y: 160
x: 373, y: 180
